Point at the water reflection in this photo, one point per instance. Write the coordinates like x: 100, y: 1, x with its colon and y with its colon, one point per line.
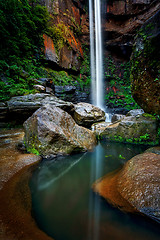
x: 52, y: 171
x: 66, y: 208
x: 94, y: 203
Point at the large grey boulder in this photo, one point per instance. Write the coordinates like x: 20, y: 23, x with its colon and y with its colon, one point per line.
x: 21, y: 107
x: 34, y: 101
x: 135, y: 129
x: 86, y: 114
x: 50, y: 131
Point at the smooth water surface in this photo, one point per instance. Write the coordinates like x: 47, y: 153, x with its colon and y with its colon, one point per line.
x: 65, y: 207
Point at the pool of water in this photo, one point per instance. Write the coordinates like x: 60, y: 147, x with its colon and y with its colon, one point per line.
x: 65, y: 207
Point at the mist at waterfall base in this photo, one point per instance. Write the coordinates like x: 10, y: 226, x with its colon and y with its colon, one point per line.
x: 65, y: 207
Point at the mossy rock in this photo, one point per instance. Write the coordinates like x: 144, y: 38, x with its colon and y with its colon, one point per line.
x: 145, y: 66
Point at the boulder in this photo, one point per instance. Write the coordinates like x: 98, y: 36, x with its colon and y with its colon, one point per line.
x: 136, y: 186
x: 86, y: 114
x: 50, y: 131
x: 155, y: 150
x: 117, y: 117
x: 39, y: 88
x: 135, y: 129
x: 99, y: 127
x: 135, y: 112
x: 22, y: 107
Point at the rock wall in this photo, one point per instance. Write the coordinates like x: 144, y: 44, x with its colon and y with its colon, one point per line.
x: 122, y: 20
x: 145, y: 69
x: 69, y: 21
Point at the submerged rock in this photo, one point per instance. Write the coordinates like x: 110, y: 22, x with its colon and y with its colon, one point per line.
x: 50, y: 131
x: 135, y: 187
x: 138, y: 129
x: 86, y: 114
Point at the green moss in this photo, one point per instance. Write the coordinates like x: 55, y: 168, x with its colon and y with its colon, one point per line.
x: 33, y: 150
x: 147, y: 115
x: 144, y: 139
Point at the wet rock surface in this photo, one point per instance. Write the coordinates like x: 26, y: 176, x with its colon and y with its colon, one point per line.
x: 139, y: 129
x: 16, y: 222
x: 50, y: 131
x: 136, y: 187
x: 86, y: 114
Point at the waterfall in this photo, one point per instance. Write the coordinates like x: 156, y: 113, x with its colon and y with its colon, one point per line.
x: 96, y: 53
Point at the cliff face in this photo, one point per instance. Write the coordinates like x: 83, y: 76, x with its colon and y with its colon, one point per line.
x: 68, y: 30
x: 145, y: 68
x: 122, y: 20
x: 70, y: 23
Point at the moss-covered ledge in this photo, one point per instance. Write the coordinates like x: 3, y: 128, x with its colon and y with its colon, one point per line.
x: 140, y: 129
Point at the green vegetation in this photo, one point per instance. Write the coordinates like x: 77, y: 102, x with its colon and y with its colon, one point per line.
x: 21, y: 28
x: 141, y: 140
x: 22, y: 25
x: 59, y: 34
x: 119, y: 87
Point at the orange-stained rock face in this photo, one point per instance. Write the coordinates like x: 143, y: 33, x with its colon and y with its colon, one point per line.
x: 76, y: 14
x: 50, y: 51
x: 69, y: 14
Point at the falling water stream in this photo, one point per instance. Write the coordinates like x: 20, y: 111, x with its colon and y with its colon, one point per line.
x: 96, y: 55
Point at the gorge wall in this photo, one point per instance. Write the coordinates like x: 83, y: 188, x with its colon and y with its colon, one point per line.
x: 69, y: 29
x: 123, y: 18
x: 69, y: 26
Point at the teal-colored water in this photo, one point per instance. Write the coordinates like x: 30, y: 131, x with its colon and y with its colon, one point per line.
x: 65, y: 207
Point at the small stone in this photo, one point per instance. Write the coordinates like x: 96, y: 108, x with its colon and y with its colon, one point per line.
x: 39, y: 88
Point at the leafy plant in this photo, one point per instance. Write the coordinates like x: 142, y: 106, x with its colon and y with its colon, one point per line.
x: 119, y: 86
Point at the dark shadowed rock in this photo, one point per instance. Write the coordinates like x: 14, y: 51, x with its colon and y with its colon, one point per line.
x: 145, y: 70
x: 86, y: 114
x: 50, y: 131
x: 155, y: 150
x: 3, y: 111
